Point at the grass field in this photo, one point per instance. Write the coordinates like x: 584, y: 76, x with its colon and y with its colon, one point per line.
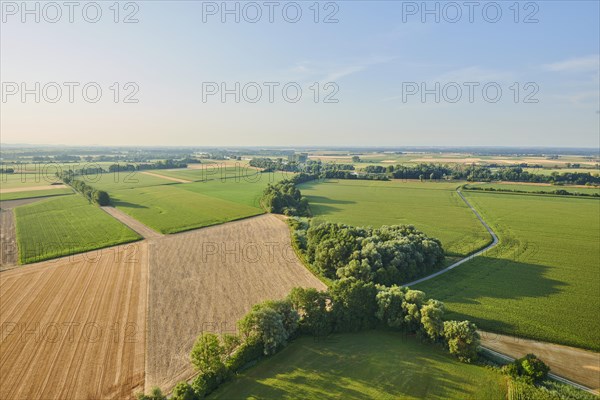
x: 542, y: 281
x: 13, y: 181
x: 65, y: 225
x: 27, y: 194
x: 170, y: 207
x: 535, y: 188
x: 366, y: 365
x: 206, y: 280
x: 75, y: 328
x: 433, y: 207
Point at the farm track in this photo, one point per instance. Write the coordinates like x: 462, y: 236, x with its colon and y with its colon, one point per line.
x: 576, y: 365
x: 170, y: 178
x: 143, y: 230
x: 468, y: 258
x: 75, y: 327
x: 8, y: 239
x: 205, y: 280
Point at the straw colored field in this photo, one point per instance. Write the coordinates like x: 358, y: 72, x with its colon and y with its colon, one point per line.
x: 542, y: 281
x: 65, y: 225
x: 435, y: 208
x: 74, y: 328
x: 27, y: 194
x: 206, y: 280
x: 365, y: 365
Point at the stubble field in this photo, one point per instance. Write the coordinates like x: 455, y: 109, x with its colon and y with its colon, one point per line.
x: 206, y: 280
x: 75, y: 327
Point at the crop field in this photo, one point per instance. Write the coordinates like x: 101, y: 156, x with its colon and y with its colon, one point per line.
x: 65, y: 225
x: 366, y: 365
x: 536, y: 188
x: 75, y: 327
x: 209, y: 172
x: 24, y: 181
x: 433, y: 207
x: 170, y: 207
x: 542, y: 281
x: 206, y: 280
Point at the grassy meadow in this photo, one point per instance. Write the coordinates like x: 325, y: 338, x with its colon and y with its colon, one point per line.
x: 65, y: 225
x: 433, y: 207
x: 170, y: 207
x: 542, y: 281
x: 365, y: 365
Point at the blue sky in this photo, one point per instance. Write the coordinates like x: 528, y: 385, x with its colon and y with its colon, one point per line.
x: 372, y: 53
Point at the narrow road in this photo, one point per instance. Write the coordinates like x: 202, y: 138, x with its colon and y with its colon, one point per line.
x: 145, y: 231
x: 468, y: 258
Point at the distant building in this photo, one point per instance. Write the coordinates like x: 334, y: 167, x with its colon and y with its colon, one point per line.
x: 298, y: 157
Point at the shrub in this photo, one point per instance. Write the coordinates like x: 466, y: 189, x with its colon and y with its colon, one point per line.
x: 530, y: 368
x: 155, y: 394
x: 184, y: 391
x: 247, y: 353
x: 462, y: 339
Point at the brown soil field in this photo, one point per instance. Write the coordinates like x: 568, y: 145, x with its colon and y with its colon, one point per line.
x: 169, y: 178
x: 74, y: 328
x: 205, y: 280
x: 577, y: 365
x: 32, y: 188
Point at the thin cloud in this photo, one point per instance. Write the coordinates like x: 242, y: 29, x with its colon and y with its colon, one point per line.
x: 579, y: 64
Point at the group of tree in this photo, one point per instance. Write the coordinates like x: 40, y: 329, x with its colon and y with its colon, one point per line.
x: 349, y: 305
x: 161, y: 164
x: 99, y: 197
x: 316, y: 168
x: 285, y: 198
x: 386, y: 255
x: 483, y: 173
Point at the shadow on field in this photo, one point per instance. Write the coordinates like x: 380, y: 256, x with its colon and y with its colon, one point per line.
x: 127, y: 204
x: 498, y: 278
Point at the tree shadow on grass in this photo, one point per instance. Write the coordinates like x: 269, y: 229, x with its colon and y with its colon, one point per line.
x: 126, y: 204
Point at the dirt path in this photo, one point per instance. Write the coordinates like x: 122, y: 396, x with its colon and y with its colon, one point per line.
x: 167, y: 177
x: 137, y: 226
x: 31, y: 188
x: 577, y: 365
x: 468, y: 258
x: 8, y: 241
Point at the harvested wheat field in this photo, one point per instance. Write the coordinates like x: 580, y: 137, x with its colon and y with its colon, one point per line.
x: 205, y: 280
x: 75, y: 327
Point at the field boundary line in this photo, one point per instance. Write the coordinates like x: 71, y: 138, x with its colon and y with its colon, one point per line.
x: 494, y: 243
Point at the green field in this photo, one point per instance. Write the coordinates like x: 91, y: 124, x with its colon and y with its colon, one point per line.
x: 365, y: 365
x: 65, y: 225
x: 27, y: 194
x: 542, y: 281
x: 13, y: 181
x: 433, y: 207
x: 170, y: 207
x: 535, y: 188
x: 211, y: 172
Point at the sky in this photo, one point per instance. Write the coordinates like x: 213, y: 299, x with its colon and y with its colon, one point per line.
x: 305, y: 73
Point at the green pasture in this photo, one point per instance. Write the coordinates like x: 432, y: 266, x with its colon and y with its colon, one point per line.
x: 27, y: 194
x: 365, y: 365
x: 535, y: 188
x: 432, y: 207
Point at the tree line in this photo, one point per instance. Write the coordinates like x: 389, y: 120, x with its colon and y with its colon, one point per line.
x: 99, y: 197
x: 558, y: 192
x: 316, y: 168
x: 349, y: 305
x: 386, y: 255
x: 480, y: 173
